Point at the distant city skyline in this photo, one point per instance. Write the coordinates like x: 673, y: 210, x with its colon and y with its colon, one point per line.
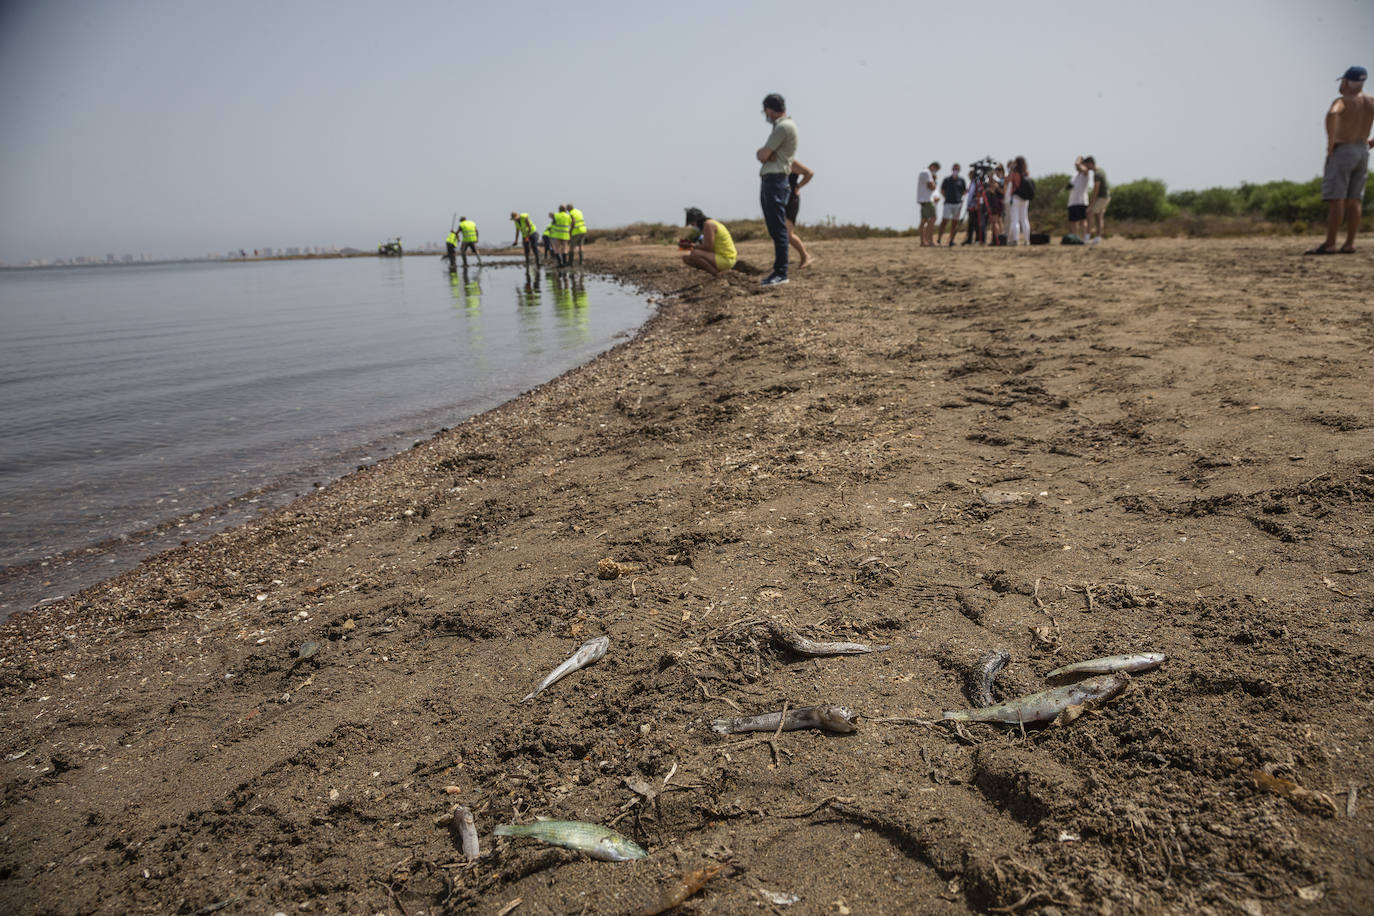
x: 187, y: 127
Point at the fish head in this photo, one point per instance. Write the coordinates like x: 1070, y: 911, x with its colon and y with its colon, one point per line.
x: 593, y: 650
x: 837, y: 719
x: 616, y: 848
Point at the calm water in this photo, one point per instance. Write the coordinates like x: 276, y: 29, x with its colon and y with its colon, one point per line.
x: 144, y: 405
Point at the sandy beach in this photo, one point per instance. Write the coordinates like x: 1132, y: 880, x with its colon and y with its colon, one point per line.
x: 1065, y: 453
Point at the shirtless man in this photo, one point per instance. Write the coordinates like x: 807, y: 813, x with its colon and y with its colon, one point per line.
x: 1348, y: 123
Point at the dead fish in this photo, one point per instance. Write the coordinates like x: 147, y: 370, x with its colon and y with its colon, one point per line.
x: 590, y: 652
x: 466, y: 828
x: 307, y: 650
x: 831, y: 718
x: 593, y: 839
x: 1112, y: 664
x: 985, y: 674
x: 794, y: 641
x: 1047, y: 704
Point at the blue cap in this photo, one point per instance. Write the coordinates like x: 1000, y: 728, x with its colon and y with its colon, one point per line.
x: 1355, y: 74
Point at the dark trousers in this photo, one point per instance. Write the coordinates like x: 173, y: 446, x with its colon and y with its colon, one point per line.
x: 977, y: 225
x: 773, y: 194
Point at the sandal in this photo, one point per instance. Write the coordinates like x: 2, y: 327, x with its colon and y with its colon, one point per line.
x: 1345, y: 251
x: 1320, y: 249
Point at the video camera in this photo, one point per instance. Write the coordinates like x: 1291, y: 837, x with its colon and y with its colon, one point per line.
x: 983, y: 167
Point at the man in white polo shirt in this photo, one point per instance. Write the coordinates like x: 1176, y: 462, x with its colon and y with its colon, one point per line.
x: 925, y: 199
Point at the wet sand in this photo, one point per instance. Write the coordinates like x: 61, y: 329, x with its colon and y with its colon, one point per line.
x: 1060, y: 452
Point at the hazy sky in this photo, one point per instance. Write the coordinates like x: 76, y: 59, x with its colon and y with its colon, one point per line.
x: 181, y: 127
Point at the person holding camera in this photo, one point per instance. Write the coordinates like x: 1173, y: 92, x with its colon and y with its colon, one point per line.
x: 1079, y: 187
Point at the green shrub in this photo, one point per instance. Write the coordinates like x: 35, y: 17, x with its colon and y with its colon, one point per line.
x: 1051, y: 197
x: 1215, y: 202
x: 1184, y: 200
x: 1144, y: 199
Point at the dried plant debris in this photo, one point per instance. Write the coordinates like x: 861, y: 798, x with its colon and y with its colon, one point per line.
x: 680, y: 890
x: 1303, y: 798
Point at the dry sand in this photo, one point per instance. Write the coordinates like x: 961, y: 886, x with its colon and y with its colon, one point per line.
x: 1061, y: 452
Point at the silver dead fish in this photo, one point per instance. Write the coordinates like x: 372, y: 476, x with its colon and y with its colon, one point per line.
x: 1112, y: 664
x: 1047, y: 704
x: 593, y: 839
x: 466, y: 829
x: 985, y: 674
x: 790, y: 639
x: 831, y: 718
x: 590, y: 652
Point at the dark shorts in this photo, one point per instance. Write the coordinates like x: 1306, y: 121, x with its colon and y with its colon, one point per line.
x: 793, y: 205
x: 1078, y: 213
x: 994, y: 205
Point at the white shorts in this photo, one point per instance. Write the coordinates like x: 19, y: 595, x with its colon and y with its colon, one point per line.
x: 951, y: 211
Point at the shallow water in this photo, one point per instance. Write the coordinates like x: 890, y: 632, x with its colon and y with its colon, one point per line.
x: 144, y: 405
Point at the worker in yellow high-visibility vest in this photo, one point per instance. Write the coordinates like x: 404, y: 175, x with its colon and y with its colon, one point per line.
x: 451, y: 245
x: 562, y: 225
x: 467, y: 230
x: 547, y: 243
x: 526, y: 233
x: 578, y: 234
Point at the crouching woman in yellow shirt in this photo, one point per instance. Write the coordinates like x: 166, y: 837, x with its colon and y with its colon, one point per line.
x: 714, y: 251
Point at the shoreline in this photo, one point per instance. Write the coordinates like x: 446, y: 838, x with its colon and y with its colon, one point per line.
x: 40, y: 572
x: 947, y: 452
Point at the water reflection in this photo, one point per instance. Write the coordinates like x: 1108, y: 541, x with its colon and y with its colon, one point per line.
x: 467, y: 294
x: 528, y: 295
x: 472, y: 291
x: 570, y: 300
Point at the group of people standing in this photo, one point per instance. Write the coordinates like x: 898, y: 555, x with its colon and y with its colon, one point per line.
x: 781, y: 178
x: 563, y: 236
x: 997, y: 202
